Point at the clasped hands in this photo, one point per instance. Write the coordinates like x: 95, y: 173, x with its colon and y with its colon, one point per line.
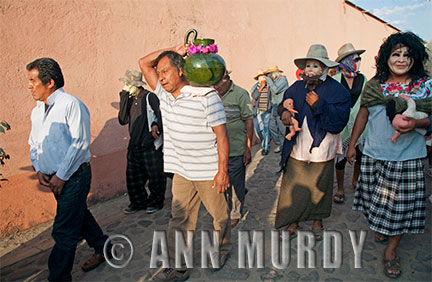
x: 54, y: 183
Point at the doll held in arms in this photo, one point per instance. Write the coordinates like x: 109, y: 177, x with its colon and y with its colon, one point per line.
x: 399, y: 121
x: 294, y: 127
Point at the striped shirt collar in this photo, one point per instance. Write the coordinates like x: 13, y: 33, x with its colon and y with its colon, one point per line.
x: 196, y: 91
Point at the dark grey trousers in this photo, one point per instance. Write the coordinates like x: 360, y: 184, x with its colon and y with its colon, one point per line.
x: 236, y: 191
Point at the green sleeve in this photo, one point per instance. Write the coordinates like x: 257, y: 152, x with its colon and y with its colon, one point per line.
x: 245, y: 105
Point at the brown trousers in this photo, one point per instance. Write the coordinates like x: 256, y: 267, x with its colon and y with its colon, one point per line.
x: 186, y: 201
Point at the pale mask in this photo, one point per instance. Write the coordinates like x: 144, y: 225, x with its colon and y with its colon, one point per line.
x: 132, y: 89
x: 313, y: 68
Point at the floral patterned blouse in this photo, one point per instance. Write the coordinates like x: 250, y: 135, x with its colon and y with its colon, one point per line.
x: 418, y: 90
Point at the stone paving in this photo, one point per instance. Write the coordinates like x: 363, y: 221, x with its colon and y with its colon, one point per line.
x: 29, y: 261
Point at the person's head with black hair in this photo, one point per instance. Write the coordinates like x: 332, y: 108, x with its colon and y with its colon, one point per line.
x: 169, y: 69
x: 45, y: 77
x: 401, y: 45
x: 48, y: 69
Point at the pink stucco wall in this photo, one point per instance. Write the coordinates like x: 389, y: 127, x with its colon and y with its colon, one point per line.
x: 96, y: 41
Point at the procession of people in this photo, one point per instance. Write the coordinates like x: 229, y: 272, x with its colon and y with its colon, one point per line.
x: 202, y: 136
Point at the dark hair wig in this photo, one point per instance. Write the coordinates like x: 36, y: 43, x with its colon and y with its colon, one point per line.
x: 48, y: 69
x: 416, y: 51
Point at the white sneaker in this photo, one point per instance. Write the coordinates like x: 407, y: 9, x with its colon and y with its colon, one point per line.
x: 277, y: 150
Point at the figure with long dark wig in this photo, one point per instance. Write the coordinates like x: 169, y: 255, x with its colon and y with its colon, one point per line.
x: 391, y: 187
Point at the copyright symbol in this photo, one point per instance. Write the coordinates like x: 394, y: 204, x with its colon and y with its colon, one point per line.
x: 118, y: 250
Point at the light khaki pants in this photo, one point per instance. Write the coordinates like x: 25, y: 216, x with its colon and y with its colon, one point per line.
x: 186, y: 201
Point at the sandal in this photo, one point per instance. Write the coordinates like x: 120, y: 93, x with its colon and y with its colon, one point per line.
x: 339, y: 198
x: 292, y: 234
x: 392, y: 265
x: 381, y: 238
x: 318, y: 233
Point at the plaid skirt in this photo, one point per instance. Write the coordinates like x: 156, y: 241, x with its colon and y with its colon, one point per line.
x: 392, y: 195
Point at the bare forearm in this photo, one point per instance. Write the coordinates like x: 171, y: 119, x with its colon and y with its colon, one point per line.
x: 359, y: 125
x: 422, y: 123
x: 249, y: 133
x: 147, y: 64
x: 222, y: 147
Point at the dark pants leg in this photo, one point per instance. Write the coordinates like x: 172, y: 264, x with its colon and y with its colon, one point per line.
x: 72, y: 220
x: 136, y: 178
x: 153, y: 162
x: 236, y: 191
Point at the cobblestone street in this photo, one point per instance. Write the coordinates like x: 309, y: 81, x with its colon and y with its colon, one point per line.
x: 28, y: 262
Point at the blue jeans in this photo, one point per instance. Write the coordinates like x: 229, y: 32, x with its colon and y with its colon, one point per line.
x: 73, y: 221
x: 261, y: 124
x: 277, y: 128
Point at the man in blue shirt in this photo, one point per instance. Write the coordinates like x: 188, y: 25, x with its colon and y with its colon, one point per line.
x: 59, y: 150
x: 277, y: 84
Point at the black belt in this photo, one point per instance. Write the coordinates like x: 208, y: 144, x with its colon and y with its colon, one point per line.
x: 81, y: 168
x: 78, y: 171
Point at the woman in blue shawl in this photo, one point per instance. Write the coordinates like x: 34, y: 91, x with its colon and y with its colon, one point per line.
x: 323, y: 106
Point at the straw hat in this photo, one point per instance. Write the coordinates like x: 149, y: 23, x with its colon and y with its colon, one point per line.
x: 259, y: 73
x: 346, y: 50
x: 273, y: 69
x: 133, y: 77
x: 316, y: 52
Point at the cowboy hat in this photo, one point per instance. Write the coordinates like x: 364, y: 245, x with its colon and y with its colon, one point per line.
x: 259, y: 73
x: 272, y: 69
x: 316, y: 52
x: 346, y: 50
x: 133, y: 77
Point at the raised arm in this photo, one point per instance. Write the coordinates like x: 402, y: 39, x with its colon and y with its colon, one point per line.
x: 278, y: 86
x: 148, y: 63
x: 125, y: 103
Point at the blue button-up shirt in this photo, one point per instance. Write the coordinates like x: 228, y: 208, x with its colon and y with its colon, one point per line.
x: 277, y: 88
x: 60, y: 136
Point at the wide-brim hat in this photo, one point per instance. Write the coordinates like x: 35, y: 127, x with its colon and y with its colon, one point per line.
x: 316, y: 52
x: 133, y: 77
x: 346, y: 50
x: 272, y: 69
x: 259, y: 73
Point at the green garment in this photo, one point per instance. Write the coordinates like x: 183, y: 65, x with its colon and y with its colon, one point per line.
x: 346, y: 132
x: 238, y: 109
x: 373, y: 96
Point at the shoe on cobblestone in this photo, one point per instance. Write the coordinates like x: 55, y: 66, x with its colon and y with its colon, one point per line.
x: 130, y: 210
x: 277, y: 150
x: 170, y: 274
x: 94, y: 261
x: 264, y: 152
x: 151, y: 210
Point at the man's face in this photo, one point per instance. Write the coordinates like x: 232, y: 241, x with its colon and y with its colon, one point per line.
x: 39, y: 91
x: 313, y: 68
x: 168, y: 76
